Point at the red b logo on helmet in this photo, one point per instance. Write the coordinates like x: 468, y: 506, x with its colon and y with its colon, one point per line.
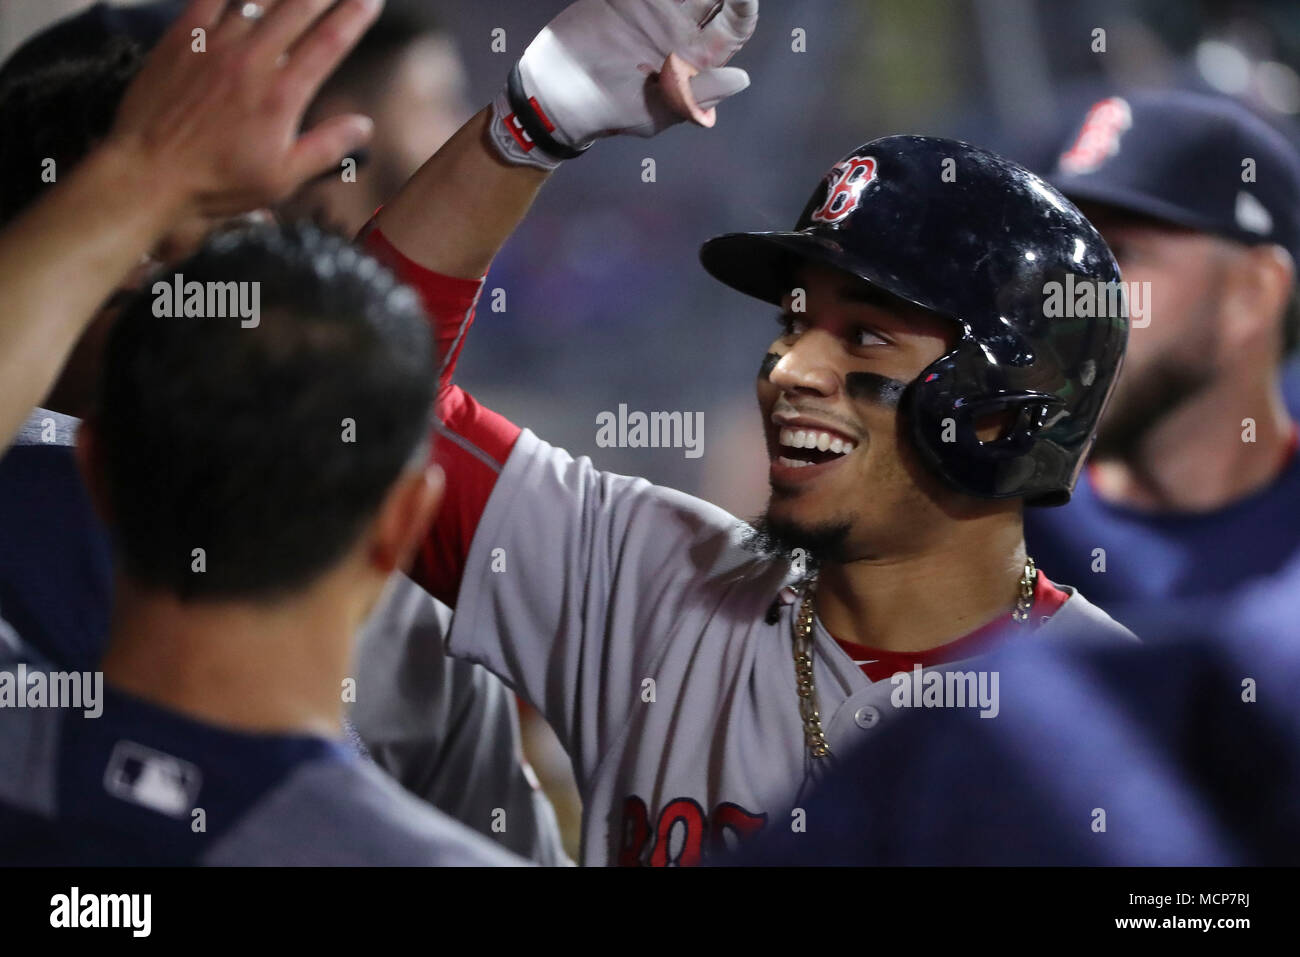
x: 847, y: 181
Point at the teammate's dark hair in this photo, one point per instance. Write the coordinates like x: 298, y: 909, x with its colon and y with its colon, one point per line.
x: 236, y: 440
x: 58, y: 112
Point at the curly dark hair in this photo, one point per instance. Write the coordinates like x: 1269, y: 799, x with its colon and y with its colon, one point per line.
x: 58, y: 112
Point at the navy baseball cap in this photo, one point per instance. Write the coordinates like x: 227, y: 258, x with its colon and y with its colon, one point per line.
x: 1205, y: 162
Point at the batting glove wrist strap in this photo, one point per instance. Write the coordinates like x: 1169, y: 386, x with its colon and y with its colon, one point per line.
x: 591, y: 72
x: 523, y: 133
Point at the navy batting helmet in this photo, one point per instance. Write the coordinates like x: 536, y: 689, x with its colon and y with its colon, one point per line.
x: 968, y: 235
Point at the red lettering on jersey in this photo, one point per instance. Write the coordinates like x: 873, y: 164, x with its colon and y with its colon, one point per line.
x: 635, y: 832
x: 734, y: 818
x: 847, y: 181
x: 681, y: 832
x: 1098, y: 138
x: 686, y: 812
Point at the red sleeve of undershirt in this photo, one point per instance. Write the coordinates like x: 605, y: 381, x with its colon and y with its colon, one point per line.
x: 471, y: 443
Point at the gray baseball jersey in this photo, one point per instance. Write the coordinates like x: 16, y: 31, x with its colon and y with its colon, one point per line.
x: 447, y: 730
x: 660, y: 650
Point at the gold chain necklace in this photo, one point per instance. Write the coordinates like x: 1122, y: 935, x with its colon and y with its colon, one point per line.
x: 803, y: 658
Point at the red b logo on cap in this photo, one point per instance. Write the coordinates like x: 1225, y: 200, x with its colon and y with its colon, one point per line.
x: 1098, y: 139
x: 847, y: 181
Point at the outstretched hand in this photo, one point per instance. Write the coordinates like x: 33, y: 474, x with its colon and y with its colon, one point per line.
x: 210, y: 127
x: 218, y: 106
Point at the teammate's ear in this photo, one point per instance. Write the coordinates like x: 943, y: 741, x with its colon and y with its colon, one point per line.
x: 90, y: 463
x: 405, y: 516
x: 1257, y: 293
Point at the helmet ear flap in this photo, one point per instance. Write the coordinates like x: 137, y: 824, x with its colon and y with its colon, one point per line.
x: 949, y: 404
x: 1024, y: 416
x: 941, y: 430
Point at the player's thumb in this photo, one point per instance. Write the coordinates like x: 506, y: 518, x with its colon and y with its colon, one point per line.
x: 713, y: 86
x: 325, y: 145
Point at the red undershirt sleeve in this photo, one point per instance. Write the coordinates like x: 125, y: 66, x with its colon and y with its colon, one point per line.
x: 471, y: 443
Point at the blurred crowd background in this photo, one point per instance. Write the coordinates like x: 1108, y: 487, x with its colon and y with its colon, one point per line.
x: 604, y: 300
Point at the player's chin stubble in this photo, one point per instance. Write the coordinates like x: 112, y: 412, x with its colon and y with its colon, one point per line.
x: 1134, y: 412
x: 774, y: 537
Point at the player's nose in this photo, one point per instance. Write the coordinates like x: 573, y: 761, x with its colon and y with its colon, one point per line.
x: 808, y: 366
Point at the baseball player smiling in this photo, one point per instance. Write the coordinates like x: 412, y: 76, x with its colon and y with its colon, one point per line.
x: 916, y: 400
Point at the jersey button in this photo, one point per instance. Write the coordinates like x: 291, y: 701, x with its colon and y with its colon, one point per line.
x: 866, y: 717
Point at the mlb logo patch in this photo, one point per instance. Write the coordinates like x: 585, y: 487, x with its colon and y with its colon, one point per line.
x: 1099, y: 137
x: 152, y: 779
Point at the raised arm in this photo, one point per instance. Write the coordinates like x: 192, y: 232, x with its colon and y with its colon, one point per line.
x: 601, y: 68
x: 211, y: 132
x: 459, y: 209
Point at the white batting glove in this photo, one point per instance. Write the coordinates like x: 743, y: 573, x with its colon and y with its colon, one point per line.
x: 605, y: 67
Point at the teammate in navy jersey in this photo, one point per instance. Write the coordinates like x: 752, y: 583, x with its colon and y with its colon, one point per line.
x: 245, y: 565
x: 1184, y: 750
x: 452, y: 738
x: 1193, y: 488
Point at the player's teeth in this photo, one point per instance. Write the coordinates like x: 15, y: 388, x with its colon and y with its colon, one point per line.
x: 810, y: 439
